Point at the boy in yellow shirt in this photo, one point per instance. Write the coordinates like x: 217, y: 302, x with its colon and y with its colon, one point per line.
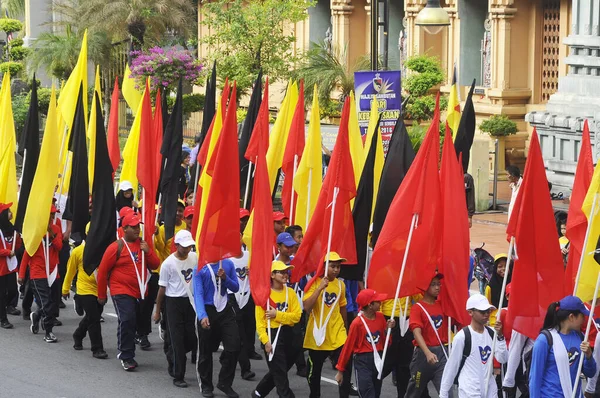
x: 283, y: 313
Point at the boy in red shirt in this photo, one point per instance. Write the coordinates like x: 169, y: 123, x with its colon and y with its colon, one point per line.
x: 365, y: 340
x: 430, y: 328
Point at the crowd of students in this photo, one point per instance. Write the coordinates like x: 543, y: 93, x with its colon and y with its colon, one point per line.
x: 306, y: 324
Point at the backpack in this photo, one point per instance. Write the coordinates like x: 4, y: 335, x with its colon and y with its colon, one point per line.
x: 120, y: 244
x: 548, y: 336
x: 467, y: 348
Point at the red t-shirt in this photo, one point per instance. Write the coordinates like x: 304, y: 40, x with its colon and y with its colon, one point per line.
x: 418, y: 319
x: 37, y: 262
x: 5, y: 252
x: 593, y: 329
x: 358, y: 340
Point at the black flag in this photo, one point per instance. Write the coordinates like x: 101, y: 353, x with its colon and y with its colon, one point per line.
x: 397, y: 162
x: 361, y: 213
x: 247, y: 128
x: 172, y: 142
x: 29, y: 148
x: 210, y: 107
x: 104, y: 223
x: 466, y: 130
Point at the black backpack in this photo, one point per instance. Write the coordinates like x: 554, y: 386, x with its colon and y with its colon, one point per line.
x: 467, y: 348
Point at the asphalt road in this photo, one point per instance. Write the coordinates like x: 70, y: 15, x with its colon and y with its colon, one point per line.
x: 29, y: 367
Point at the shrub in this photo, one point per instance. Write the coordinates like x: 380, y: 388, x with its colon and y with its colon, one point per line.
x: 10, y: 25
x: 18, y: 53
x: 43, y: 99
x: 13, y: 67
x: 498, y: 126
x: 16, y: 42
x: 422, y: 108
x: 330, y: 108
x: 191, y: 103
x: 20, y: 105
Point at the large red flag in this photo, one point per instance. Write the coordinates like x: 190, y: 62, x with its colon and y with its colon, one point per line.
x: 292, y: 155
x: 418, y: 198
x: 538, y: 272
x: 261, y: 127
x: 577, y: 222
x: 262, y: 232
x: 220, y: 233
x: 339, y: 179
x: 455, y: 235
x: 114, y: 150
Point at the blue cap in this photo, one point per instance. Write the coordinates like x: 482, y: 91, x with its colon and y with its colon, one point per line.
x: 573, y: 303
x: 286, y: 239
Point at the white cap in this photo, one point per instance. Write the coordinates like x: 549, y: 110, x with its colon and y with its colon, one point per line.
x: 479, y: 302
x: 184, y: 238
x: 125, y: 186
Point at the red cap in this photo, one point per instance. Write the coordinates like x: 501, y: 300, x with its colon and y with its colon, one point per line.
x: 279, y: 216
x: 367, y: 296
x: 4, y: 206
x: 131, y: 220
x: 125, y: 211
x: 54, y: 209
x: 189, y: 211
x: 244, y: 213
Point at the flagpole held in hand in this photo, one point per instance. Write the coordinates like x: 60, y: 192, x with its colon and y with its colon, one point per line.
x: 142, y: 235
x: 366, y: 264
x: 585, y: 242
x: 247, y: 185
x: 413, y: 223
x: 336, y: 190
x: 490, y: 365
x: 310, y: 171
x: 292, y: 199
x: 23, y: 166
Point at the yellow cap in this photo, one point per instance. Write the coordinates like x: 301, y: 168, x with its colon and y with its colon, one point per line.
x: 500, y: 256
x: 280, y: 266
x: 333, y: 256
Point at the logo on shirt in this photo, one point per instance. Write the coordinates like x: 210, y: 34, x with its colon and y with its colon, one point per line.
x: 485, y: 353
x: 330, y: 298
x: 573, y: 355
x: 187, y: 274
x: 136, y: 257
x: 242, y: 272
x: 437, y: 320
x: 376, y: 336
x: 281, y: 306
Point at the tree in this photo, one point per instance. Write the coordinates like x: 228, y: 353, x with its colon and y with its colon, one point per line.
x: 15, y: 8
x: 249, y: 35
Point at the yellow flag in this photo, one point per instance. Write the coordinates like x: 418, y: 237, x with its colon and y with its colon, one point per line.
x: 132, y: 95
x: 8, y: 146
x: 91, y: 131
x: 68, y: 96
x: 589, y: 266
x: 308, y: 180
x: 355, y: 140
x: 453, y: 115
x: 379, y: 156
x: 130, y: 152
x: 66, y: 158
x: 279, y: 133
x: 37, y: 214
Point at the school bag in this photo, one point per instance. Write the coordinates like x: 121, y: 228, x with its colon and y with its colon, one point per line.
x: 467, y: 348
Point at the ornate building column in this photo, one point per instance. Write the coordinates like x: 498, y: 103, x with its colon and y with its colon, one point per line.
x: 414, y: 39
x: 453, y: 39
x: 501, y: 14
x: 340, y: 20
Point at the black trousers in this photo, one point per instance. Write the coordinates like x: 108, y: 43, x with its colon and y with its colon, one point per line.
x: 48, y: 307
x: 27, y: 301
x: 146, y: 307
x: 181, y: 326
x: 90, y: 323
x: 369, y: 386
x: 398, y: 359
x: 223, y: 328
x: 316, y: 358
x: 241, y: 320
x: 299, y: 332
x: 249, y: 320
x: 8, y: 291
x: 126, y: 308
x: 284, y: 358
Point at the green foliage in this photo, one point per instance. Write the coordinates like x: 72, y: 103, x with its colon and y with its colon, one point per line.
x: 43, y: 99
x: 246, y: 36
x: 240, y: 114
x: 416, y: 133
x: 422, y: 108
x: 20, y: 105
x: 16, y: 42
x: 191, y: 103
x: 15, y: 8
x: 425, y: 72
x: 498, y: 125
x: 13, y: 67
x: 18, y: 53
x: 330, y: 108
x: 10, y: 25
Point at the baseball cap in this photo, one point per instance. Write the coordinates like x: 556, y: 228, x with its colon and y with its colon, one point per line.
x: 500, y: 256
x: 286, y: 239
x: 278, y: 216
x: 333, y: 256
x: 4, y: 206
x: 573, y: 303
x: 184, y: 238
x: 479, y: 302
x: 125, y: 211
x: 131, y: 220
x: 367, y: 296
x: 189, y: 211
x: 125, y: 186
x: 280, y: 266
x: 244, y: 213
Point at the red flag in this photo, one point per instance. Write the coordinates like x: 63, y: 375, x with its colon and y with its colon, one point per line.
x: 538, y: 272
x: 577, y: 221
x: 261, y: 126
x: 262, y: 232
x: 293, y: 153
x: 418, y: 196
x: 455, y: 235
x: 113, y: 128
x: 340, y: 179
x: 220, y: 233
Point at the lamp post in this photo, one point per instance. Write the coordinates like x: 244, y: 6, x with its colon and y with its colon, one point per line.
x: 433, y: 18
x: 374, y: 34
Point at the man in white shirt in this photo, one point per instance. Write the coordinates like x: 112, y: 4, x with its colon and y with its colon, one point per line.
x: 473, y: 371
x: 175, y: 287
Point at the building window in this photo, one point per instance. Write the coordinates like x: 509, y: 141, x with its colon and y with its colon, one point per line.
x: 550, y: 48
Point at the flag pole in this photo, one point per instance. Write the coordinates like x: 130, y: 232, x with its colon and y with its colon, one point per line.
x: 587, y: 335
x: 511, y: 247
x: 62, y: 179
x: 247, y: 190
x: 310, y: 171
x: 292, y: 195
x: 585, y: 241
x: 408, y: 241
x: 366, y: 264
x: 336, y: 190
x: 269, y: 330
x: 450, y: 336
x: 143, y: 254
x: 23, y: 167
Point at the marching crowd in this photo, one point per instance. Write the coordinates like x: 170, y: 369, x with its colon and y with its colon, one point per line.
x: 197, y: 308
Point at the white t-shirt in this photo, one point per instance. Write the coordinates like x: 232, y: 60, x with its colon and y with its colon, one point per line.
x: 170, y: 270
x: 241, y: 269
x: 474, y: 372
x: 61, y: 204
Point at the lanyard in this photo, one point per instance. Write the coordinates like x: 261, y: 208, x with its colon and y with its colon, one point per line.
x: 140, y: 278
x: 274, y: 345
x: 220, y: 301
x: 11, y: 261
x: 376, y: 357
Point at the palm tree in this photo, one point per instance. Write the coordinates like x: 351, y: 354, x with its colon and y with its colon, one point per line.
x: 15, y: 8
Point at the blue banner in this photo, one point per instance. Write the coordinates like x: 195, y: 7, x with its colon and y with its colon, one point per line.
x: 385, y: 86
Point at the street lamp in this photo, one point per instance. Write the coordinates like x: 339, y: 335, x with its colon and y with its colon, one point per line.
x: 433, y: 17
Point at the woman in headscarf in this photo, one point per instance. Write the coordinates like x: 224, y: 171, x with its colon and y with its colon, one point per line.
x: 494, y: 287
x: 125, y: 197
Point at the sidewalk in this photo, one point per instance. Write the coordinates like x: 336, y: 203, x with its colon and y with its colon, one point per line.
x: 490, y: 228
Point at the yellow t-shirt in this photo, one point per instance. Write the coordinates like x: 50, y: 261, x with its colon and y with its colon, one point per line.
x: 86, y: 284
x: 335, y: 334
x: 387, y: 305
x: 162, y: 248
x: 488, y: 295
x: 289, y: 317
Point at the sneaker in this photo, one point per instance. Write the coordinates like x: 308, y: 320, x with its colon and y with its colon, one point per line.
x: 128, y: 364
x: 248, y: 375
x: 161, y: 332
x: 5, y: 324
x: 13, y: 311
x: 77, y: 344
x: 35, y: 323
x: 228, y: 391
x: 207, y: 392
x: 144, y: 343
x: 101, y: 319
x: 255, y: 355
x: 57, y: 322
x: 353, y: 390
x: 50, y: 338
x: 100, y: 354
x: 137, y: 340
x: 61, y: 304
x: 180, y: 383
